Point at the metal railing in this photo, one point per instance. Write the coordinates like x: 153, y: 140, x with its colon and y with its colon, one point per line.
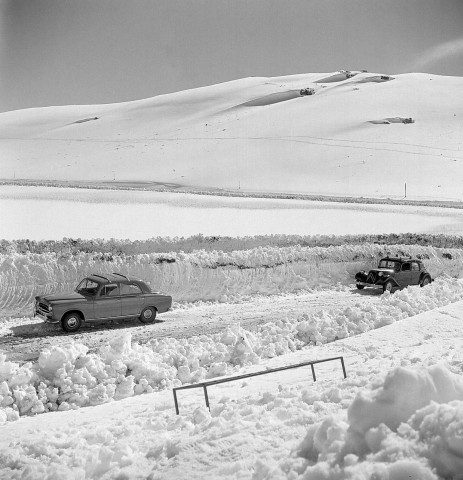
x: 204, y: 385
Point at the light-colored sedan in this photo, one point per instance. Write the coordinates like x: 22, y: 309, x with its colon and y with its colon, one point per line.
x: 109, y: 296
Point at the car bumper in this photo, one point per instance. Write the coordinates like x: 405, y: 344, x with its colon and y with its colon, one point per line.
x: 46, y: 317
x: 372, y: 285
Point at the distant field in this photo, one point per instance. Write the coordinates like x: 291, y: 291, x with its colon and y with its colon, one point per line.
x: 172, y: 187
x: 50, y: 213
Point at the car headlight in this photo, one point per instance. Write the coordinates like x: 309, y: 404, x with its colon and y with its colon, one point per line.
x: 380, y: 274
x: 50, y: 308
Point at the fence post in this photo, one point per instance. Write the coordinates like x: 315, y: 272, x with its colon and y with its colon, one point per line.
x: 206, y: 397
x: 343, y: 367
x: 313, y: 372
x: 175, y: 400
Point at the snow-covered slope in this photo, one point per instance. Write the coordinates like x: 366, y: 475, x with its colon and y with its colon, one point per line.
x: 257, y: 134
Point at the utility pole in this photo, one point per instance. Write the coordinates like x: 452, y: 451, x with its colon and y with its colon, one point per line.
x: 405, y: 190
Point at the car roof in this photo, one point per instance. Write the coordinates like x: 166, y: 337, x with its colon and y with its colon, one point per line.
x: 111, y: 278
x: 401, y: 259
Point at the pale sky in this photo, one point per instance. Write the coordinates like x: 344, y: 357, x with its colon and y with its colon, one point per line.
x: 60, y: 52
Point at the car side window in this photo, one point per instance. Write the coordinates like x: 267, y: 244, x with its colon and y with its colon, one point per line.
x: 406, y: 267
x: 130, y: 289
x: 415, y: 267
x: 110, y: 290
x: 87, y: 287
x: 387, y: 264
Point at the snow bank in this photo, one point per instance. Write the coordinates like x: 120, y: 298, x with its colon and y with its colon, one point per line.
x: 409, y: 427
x: 209, y: 275
x: 404, y: 391
x: 70, y: 377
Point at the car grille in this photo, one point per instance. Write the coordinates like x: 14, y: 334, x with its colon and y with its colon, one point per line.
x: 43, y: 307
x: 371, y: 277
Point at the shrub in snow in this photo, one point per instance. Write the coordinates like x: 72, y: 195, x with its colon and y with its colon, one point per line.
x: 68, y: 247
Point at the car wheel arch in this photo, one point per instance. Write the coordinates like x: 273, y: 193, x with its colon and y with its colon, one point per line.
x: 393, y: 284
x: 73, y: 310
x: 423, y: 278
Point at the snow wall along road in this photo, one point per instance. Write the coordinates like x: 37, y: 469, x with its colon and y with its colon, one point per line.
x: 208, y: 276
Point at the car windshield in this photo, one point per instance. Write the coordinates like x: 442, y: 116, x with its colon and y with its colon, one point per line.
x: 389, y: 264
x: 87, y: 287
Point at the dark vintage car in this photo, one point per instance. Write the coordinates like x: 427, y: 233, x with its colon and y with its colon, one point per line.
x: 108, y: 296
x: 393, y: 273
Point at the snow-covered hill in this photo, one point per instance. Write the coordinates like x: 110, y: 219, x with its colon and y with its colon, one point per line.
x: 351, y: 137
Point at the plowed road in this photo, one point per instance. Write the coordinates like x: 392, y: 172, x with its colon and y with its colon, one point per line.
x: 22, y: 339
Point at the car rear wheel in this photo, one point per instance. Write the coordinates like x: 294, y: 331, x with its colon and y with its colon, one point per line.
x: 388, y: 286
x: 360, y: 287
x: 148, y: 315
x: 71, y: 322
x: 426, y: 281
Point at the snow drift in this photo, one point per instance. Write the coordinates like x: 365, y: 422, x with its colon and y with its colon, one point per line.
x: 409, y: 427
x: 208, y: 275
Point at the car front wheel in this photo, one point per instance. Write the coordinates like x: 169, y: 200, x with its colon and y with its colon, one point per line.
x: 71, y: 322
x: 388, y: 286
x: 148, y: 315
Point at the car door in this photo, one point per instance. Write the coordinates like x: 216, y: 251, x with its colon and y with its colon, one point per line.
x: 107, y: 302
x: 131, y: 299
x: 415, y: 273
x: 403, y: 276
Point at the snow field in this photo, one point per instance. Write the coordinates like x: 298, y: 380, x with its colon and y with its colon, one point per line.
x: 208, y: 275
x: 68, y: 377
x: 397, y: 415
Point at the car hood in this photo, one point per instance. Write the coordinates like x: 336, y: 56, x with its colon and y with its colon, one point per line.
x: 63, y: 297
x: 384, y: 270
